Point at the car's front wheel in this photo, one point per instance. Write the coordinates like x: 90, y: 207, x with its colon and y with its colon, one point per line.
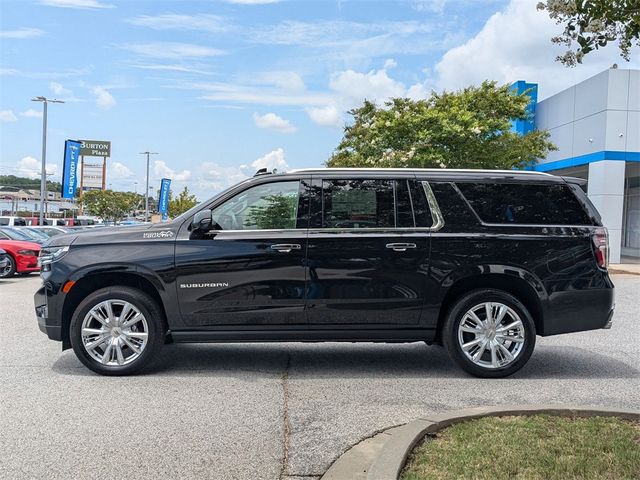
x: 117, y: 331
x: 489, y: 333
x: 9, y: 269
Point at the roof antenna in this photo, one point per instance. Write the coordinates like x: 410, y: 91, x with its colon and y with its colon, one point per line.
x: 261, y: 171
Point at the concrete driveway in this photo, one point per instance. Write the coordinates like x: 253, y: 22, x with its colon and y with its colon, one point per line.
x: 266, y: 411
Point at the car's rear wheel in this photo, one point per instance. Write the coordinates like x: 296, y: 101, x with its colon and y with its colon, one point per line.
x: 10, y: 269
x: 489, y: 333
x: 117, y: 331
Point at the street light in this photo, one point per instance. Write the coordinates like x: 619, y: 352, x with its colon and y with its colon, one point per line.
x: 146, y: 192
x: 43, y: 173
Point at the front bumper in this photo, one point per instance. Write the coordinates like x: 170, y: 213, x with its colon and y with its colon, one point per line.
x: 48, y: 322
x: 26, y: 264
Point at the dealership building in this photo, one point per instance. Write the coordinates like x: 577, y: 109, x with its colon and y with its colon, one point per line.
x: 596, y: 127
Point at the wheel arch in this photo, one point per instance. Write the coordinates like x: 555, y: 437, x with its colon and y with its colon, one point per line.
x: 88, y: 284
x: 515, y: 285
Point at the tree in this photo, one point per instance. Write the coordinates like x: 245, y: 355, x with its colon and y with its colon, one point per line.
x: 278, y: 212
x: 110, y: 205
x: 28, y: 183
x: 183, y: 202
x: 470, y: 128
x: 592, y: 24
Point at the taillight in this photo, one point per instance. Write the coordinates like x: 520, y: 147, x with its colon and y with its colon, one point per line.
x: 601, y: 243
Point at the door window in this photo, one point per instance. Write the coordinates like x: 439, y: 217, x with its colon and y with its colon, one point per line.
x: 270, y: 206
x: 358, y: 204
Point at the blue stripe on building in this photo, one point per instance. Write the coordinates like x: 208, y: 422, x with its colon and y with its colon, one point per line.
x: 586, y: 159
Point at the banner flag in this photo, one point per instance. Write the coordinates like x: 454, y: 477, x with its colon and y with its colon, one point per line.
x: 70, y: 168
x: 163, y: 201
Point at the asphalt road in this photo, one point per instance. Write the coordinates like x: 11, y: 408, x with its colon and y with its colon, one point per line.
x: 266, y: 411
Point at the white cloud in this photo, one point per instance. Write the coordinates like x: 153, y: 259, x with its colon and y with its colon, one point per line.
x: 272, y: 160
x: 285, y: 80
x: 8, y: 116
x: 22, y: 33
x: 271, y: 121
x: 173, y: 50
x: 118, y: 171
x: 161, y: 169
x: 214, y: 177
x: 171, y: 68
x: 59, y: 90
x: 104, y: 99
x: 30, y: 167
x: 82, y: 4
x: 31, y: 113
x: 515, y: 44
x: 328, y: 116
x: 252, y: 2
x: 169, y: 21
x: 233, y: 92
x: 354, y: 86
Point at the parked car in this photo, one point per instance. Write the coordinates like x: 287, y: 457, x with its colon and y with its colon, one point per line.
x: 478, y: 261
x: 12, y: 221
x: 5, y: 263
x: 35, y: 232
x: 22, y: 256
x: 51, y: 231
x: 14, y: 233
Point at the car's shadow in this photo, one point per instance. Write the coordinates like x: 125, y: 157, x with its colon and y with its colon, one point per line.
x: 357, y: 360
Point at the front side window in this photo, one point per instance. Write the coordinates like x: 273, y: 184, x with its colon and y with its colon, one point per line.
x: 270, y: 206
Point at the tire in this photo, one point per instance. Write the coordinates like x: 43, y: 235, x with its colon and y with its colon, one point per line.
x: 493, y: 361
x: 115, y: 347
x: 9, y: 271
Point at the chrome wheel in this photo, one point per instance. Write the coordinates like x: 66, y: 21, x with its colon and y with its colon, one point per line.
x: 114, y: 332
x: 491, y: 335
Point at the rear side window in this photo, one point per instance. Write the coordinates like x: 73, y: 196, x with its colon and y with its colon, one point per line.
x: 4, y: 221
x: 513, y: 203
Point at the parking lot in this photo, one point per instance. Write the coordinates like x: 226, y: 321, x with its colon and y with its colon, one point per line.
x: 266, y: 411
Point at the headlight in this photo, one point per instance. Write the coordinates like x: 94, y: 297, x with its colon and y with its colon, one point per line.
x: 50, y: 255
x: 28, y: 253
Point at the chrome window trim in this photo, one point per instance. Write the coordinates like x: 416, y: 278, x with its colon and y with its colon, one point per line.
x: 436, y: 214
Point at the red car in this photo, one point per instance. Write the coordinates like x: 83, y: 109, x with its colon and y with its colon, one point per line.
x: 23, y: 257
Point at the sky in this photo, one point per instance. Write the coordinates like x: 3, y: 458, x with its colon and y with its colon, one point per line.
x: 222, y: 88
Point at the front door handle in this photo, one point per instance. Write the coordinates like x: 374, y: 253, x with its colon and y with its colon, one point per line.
x: 400, y: 247
x: 285, y: 247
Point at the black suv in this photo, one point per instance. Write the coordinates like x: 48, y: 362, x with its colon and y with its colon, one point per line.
x: 479, y: 261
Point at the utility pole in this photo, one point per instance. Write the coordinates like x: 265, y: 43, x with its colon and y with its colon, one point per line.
x: 146, y: 190
x: 43, y: 173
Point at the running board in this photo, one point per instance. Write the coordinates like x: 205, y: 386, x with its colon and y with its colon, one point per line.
x: 325, y: 335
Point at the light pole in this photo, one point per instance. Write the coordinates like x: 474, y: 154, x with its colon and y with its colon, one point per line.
x: 146, y: 190
x: 43, y: 173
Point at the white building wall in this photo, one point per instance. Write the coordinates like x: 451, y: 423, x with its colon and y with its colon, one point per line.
x: 600, y: 114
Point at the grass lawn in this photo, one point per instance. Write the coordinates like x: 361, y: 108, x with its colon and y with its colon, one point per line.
x: 535, y: 447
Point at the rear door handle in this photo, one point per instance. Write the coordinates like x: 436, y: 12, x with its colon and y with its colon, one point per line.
x: 285, y: 247
x: 400, y: 247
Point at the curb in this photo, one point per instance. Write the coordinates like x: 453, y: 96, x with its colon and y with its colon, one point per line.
x: 392, y: 447
x: 622, y: 271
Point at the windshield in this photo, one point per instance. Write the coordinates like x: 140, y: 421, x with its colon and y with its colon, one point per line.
x: 15, y: 234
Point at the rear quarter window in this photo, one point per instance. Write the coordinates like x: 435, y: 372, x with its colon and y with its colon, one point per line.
x: 525, y: 204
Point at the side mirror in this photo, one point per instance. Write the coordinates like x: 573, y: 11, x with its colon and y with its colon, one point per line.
x: 202, y: 221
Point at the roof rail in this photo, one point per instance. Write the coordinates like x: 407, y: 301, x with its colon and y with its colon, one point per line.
x: 262, y: 171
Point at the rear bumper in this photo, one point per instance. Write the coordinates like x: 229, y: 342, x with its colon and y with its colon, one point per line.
x: 579, y: 310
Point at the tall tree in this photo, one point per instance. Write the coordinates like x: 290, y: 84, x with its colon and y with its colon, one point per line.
x: 183, y: 202
x: 110, y: 205
x: 592, y: 24
x: 470, y: 128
